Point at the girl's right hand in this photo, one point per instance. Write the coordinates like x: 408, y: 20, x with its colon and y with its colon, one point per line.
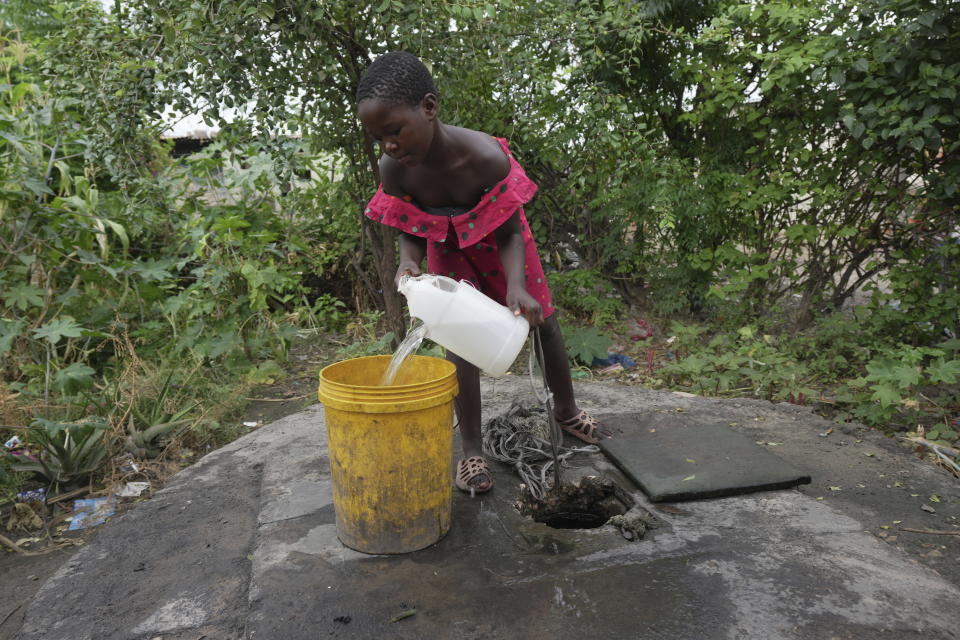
x: 406, y: 268
x: 523, y: 304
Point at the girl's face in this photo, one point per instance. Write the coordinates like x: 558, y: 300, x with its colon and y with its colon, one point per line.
x: 403, y: 132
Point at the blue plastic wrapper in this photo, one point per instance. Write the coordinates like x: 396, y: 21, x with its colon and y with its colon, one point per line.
x: 91, y: 512
x: 36, y: 495
x: 615, y: 358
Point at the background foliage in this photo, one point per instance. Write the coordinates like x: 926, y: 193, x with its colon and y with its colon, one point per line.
x: 758, y: 167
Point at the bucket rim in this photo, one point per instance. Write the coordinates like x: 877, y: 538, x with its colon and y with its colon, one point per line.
x: 394, y: 398
x: 401, y: 389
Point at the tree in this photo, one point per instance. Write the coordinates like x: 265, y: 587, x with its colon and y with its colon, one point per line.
x: 293, y: 69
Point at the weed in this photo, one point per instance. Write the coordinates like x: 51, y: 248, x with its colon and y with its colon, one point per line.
x: 585, y: 293
x: 585, y: 344
x: 11, y: 482
x: 69, y: 452
x: 329, y: 312
x: 430, y: 348
x: 904, y: 384
x: 743, y: 363
x: 364, y: 331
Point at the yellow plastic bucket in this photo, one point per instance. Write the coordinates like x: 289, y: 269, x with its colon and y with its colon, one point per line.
x: 390, y: 451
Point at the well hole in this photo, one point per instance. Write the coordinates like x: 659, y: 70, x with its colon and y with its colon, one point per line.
x: 585, y: 504
x: 574, y: 520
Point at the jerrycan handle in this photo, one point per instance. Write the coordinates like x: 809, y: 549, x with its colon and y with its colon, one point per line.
x: 428, y: 296
x: 408, y: 283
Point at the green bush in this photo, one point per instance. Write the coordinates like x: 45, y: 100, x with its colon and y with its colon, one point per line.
x: 901, y: 386
x: 585, y: 294
x: 741, y: 363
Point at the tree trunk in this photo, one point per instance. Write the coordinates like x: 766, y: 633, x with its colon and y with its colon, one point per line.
x: 384, y: 249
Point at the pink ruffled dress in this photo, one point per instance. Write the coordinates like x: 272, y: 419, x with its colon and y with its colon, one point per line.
x: 463, y: 246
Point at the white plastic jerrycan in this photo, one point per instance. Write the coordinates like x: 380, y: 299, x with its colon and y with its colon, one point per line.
x: 465, y: 321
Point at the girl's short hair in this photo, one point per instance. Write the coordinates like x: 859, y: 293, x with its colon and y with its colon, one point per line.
x: 398, y: 77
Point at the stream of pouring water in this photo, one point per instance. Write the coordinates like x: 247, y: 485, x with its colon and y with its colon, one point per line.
x: 408, y: 347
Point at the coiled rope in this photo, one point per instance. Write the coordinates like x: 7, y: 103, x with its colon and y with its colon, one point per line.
x: 528, y: 438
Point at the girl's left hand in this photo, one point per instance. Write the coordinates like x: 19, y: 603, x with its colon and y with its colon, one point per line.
x: 522, y: 303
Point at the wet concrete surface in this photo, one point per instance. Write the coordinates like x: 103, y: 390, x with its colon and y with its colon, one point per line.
x: 243, y: 545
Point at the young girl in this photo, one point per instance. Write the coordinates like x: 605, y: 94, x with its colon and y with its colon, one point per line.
x: 457, y: 197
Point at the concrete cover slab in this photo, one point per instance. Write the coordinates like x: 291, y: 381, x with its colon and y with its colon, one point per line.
x: 682, y: 461
x: 243, y: 545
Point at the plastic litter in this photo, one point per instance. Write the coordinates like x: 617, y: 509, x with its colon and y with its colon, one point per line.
x: 91, y: 512
x: 133, y: 489
x: 611, y: 369
x: 17, y: 447
x: 34, y: 495
x: 641, y: 330
x: 126, y: 464
x: 625, y: 362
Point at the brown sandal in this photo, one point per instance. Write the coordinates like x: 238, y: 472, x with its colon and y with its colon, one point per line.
x: 584, y: 427
x: 470, y: 468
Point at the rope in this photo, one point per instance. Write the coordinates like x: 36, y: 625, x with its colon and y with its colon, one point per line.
x: 555, y: 436
x: 517, y: 438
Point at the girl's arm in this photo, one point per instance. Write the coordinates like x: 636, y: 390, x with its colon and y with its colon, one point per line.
x: 512, y: 257
x: 412, y: 250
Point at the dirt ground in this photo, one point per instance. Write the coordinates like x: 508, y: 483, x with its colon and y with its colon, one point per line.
x: 23, y: 575
x: 879, y: 481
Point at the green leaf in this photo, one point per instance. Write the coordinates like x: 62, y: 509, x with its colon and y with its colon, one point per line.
x: 9, y: 331
x: 61, y: 327
x: 73, y: 379
x: 229, y: 223
x: 801, y: 232
x: 153, y: 270
x: 37, y: 187
x: 121, y: 233
x: 586, y: 344
x: 22, y: 89
x: 906, y: 376
x: 266, y: 372
x: 15, y: 141
x: 880, y: 369
x: 886, y: 394
x: 224, y: 343
x: 24, y: 296
x: 953, y: 344
x: 945, y: 371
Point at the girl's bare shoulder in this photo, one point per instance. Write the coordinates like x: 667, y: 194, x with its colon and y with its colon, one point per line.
x: 487, y: 158
x: 391, y: 175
